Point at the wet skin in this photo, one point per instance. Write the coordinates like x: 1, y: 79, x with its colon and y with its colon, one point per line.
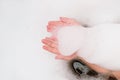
x: 51, y: 45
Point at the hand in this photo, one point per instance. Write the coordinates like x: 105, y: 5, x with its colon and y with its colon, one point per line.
x: 53, y: 25
x: 51, y: 45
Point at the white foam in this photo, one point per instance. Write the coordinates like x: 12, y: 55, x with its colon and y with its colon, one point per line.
x: 70, y: 39
x: 103, y: 50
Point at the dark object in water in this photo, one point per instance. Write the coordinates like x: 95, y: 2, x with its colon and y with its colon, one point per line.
x: 92, y: 73
x: 112, y: 78
x: 79, y: 68
x: 78, y: 71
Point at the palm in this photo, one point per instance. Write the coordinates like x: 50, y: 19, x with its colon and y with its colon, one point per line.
x: 51, y: 43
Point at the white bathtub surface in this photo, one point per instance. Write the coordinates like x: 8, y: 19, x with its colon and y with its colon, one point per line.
x: 22, y: 26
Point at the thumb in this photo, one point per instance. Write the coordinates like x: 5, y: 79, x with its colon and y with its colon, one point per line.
x: 59, y: 57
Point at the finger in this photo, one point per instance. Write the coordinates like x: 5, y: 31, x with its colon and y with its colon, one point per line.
x: 47, y: 41
x: 56, y: 24
x: 51, y: 44
x: 59, y: 57
x: 50, y: 49
x: 50, y: 40
x: 62, y: 57
x: 52, y: 22
x: 74, y: 55
x: 65, y: 19
x: 69, y: 21
x: 50, y: 28
x: 54, y: 39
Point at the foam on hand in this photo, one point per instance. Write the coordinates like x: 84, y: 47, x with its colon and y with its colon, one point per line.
x: 70, y: 39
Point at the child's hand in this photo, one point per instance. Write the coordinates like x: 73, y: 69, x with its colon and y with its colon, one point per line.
x: 53, y: 25
x: 51, y: 45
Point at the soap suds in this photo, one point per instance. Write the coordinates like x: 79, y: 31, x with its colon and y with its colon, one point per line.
x: 106, y: 52
x: 70, y: 39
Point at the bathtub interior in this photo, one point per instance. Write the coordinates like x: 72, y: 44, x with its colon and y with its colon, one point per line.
x: 22, y: 26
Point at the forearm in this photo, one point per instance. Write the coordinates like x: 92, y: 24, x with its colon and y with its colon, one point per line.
x: 94, y: 66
